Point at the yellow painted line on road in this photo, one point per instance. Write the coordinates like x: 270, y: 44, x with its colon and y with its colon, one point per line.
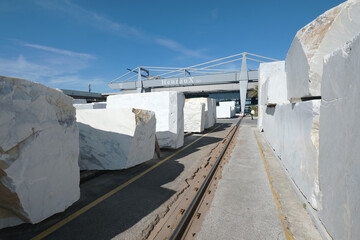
x: 287, y: 231
x: 112, y: 192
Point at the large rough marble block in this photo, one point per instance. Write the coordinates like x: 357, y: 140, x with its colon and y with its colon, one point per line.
x: 168, y: 108
x: 272, y: 86
x: 293, y: 132
x: 304, y: 61
x: 210, y: 110
x: 339, y: 159
x: 113, y: 139
x: 194, y: 116
x: 94, y: 105
x: 39, y: 149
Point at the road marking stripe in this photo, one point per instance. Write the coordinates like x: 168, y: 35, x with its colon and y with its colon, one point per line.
x: 112, y: 192
x: 287, y: 232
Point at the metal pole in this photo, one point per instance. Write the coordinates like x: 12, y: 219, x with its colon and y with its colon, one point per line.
x: 139, y: 83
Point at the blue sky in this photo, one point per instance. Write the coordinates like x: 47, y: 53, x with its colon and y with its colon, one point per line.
x: 70, y: 43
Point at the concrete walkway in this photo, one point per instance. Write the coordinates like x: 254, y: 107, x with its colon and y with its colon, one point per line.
x: 244, y: 206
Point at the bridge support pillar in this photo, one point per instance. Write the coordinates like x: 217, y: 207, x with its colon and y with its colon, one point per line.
x: 139, y: 85
x: 243, y: 83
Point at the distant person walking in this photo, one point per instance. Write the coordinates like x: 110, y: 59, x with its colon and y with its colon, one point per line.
x: 252, y: 114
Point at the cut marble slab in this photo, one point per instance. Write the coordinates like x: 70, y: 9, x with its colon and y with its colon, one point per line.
x: 168, y: 108
x: 292, y: 130
x: 304, y: 61
x: 94, y: 105
x: 339, y: 165
x: 39, y: 149
x: 225, y: 109
x: 230, y: 104
x: 272, y: 87
x: 113, y: 139
x: 272, y: 81
x: 211, y: 116
x: 210, y: 110
x: 194, y: 116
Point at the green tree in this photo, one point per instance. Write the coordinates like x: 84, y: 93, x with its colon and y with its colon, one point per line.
x: 253, y: 92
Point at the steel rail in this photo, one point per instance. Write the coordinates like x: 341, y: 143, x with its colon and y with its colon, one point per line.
x: 181, y: 228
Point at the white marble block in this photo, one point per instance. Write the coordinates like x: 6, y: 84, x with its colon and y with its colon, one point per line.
x: 210, y: 110
x: 39, y: 149
x: 94, y: 105
x: 339, y: 159
x: 113, y: 139
x: 272, y: 81
x: 168, y: 108
x: 292, y: 130
x: 304, y: 61
x: 211, y: 116
x: 272, y: 86
x: 194, y: 116
x: 225, y: 109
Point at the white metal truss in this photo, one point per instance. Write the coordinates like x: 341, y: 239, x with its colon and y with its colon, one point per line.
x: 143, y: 78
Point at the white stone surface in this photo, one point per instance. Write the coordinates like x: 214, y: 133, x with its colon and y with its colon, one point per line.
x: 39, y: 148
x: 304, y: 61
x: 210, y: 110
x: 293, y: 132
x: 225, y: 109
x: 272, y: 86
x: 168, y: 108
x: 194, y: 116
x: 211, y: 117
x: 94, y: 105
x: 339, y: 165
x: 113, y: 139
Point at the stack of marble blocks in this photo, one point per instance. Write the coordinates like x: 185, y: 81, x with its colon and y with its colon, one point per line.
x: 39, y: 149
x: 314, y: 130
x: 168, y: 108
x: 225, y: 109
x: 199, y: 114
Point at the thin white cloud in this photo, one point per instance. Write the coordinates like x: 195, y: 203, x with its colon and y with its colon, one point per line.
x: 120, y: 29
x: 75, y: 81
x: 177, y: 47
x: 60, y: 51
x: 21, y: 68
x: 52, y: 75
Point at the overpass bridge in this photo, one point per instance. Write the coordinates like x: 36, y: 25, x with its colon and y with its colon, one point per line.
x: 204, y: 77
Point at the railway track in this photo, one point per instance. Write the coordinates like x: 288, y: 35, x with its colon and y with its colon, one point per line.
x: 184, y: 219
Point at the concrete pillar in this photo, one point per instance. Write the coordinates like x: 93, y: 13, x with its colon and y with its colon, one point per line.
x: 243, y: 83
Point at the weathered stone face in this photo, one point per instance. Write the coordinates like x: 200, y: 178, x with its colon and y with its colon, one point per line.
x: 304, y: 61
x: 39, y: 148
x: 113, y: 139
x: 168, y: 108
x: 194, y: 116
x: 339, y: 165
